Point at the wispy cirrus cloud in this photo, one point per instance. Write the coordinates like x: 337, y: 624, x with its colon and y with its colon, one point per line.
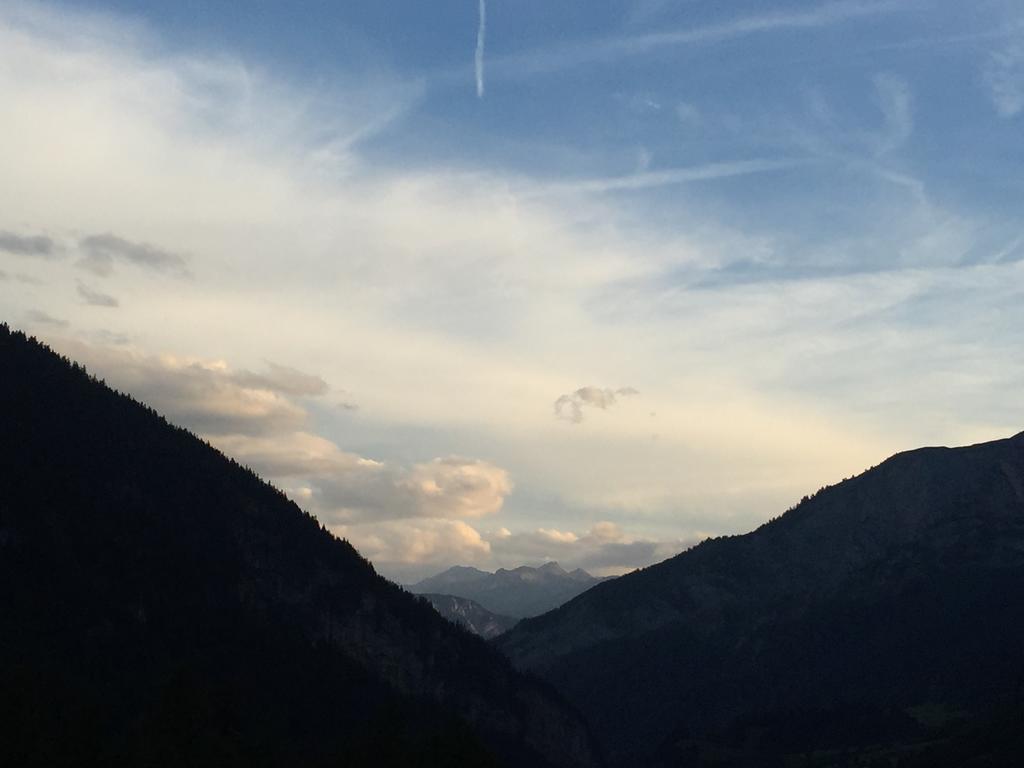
x: 1004, y: 78
x: 671, y: 176
x: 894, y: 100
x: 616, y: 48
x: 478, y: 56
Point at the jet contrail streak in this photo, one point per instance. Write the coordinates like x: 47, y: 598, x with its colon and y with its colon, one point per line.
x: 480, y: 33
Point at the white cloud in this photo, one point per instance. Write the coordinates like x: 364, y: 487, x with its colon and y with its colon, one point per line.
x: 570, y: 407
x: 894, y: 100
x: 689, y: 115
x: 604, y: 549
x: 420, y: 547
x: 671, y: 176
x: 412, y: 549
x: 281, y: 378
x: 1004, y: 77
x: 612, y: 49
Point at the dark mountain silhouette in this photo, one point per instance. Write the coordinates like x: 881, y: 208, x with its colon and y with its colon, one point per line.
x: 880, y: 622
x: 471, y: 615
x: 162, y: 606
x: 516, y: 592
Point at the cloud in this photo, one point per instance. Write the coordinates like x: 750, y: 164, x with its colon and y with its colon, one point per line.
x: 96, y: 298
x: 671, y: 176
x: 570, y: 407
x: 409, y: 550
x: 281, y: 378
x: 457, y: 487
x: 199, y: 394
x: 343, y: 487
x: 37, y: 316
x: 445, y: 488
x: 894, y: 100
x: 254, y: 418
x: 604, y: 549
x: 436, y: 293
x: 613, y: 49
x: 689, y: 115
x: 27, y: 245
x: 1004, y: 78
x: 478, y: 59
x: 101, y: 251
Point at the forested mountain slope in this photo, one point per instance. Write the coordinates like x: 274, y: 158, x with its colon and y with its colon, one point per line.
x: 471, y: 615
x: 888, y: 609
x: 162, y: 606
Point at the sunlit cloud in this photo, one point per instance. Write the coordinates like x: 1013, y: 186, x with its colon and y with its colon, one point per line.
x: 570, y: 407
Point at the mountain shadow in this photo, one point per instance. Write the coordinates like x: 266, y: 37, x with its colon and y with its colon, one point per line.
x: 160, y: 605
x: 880, y: 622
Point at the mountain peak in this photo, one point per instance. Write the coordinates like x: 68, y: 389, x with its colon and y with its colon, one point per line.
x: 554, y: 568
x: 517, y: 592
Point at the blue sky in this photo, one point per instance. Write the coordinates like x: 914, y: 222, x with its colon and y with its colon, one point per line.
x: 590, y: 283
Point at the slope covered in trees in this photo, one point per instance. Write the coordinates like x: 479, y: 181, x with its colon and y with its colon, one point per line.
x: 470, y: 615
x: 162, y: 606
x: 880, y: 622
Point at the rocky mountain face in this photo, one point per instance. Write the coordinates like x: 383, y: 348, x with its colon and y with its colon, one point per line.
x: 471, y: 615
x: 516, y: 592
x: 162, y: 606
x: 883, y: 617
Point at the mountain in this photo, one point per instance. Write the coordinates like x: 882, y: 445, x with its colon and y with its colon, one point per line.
x: 519, y: 592
x: 471, y: 615
x: 882, y: 619
x: 162, y: 606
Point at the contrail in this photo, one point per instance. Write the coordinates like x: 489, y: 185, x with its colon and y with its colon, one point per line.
x: 481, y: 31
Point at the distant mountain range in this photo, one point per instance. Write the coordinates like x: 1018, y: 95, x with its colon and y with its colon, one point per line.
x: 517, y: 593
x: 879, y: 622
x: 471, y: 615
x: 162, y: 606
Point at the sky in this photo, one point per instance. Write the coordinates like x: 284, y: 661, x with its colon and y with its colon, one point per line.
x: 492, y: 283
